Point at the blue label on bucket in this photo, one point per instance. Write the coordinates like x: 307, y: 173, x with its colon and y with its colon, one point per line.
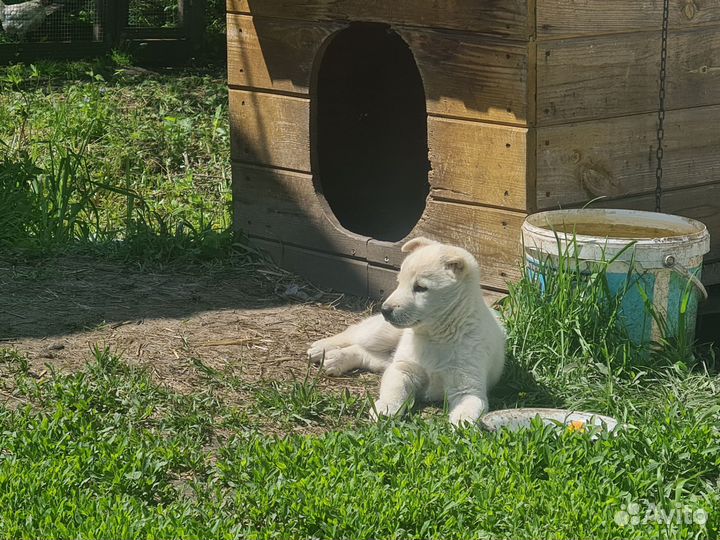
x: 634, y: 310
x: 655, y: 304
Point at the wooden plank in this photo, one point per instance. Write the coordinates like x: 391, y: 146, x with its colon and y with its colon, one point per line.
x: 100, y: 22
x: 471, y: 161
x: 498, y: 17
x: 327, y: 271
x: 492, y: 235
x: 478, y: 162
x: 272, y: 250
x: 478, y: 77
x: 381, y: 281
x: 237, y: 6
x: 273, y: 54
x: 616, y: 157
x: 284, y: 206
x: 615, y: 75
x: 270, y: 130
x: 531, y: 139
x: 556, y: 18
x: 701, y: 203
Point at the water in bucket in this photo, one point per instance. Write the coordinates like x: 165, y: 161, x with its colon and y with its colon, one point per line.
x: 654, y: 260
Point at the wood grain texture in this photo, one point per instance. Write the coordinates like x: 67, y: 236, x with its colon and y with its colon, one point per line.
x: 284, y: 206
x: 701, y: 203
x: 324, y: 270
x: 273, y: 54
x: 273, y: 250
x: 556, y: 18
x: 471, y: 161
x: 492, y: 235
x: 478, y: 162
x: 382, y: 281
x: 237, y: 6
x: 498, y: 17
x: 615, y: 75
x: 270, y: 130
x: 477, y: 77
x: 616, y: 158
x: 328, y: 271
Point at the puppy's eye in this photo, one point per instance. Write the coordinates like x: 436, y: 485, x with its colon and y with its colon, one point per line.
x: 419, y: 288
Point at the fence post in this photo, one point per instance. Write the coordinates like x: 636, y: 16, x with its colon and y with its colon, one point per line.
x: 121, y: 14
x: 192, y: 18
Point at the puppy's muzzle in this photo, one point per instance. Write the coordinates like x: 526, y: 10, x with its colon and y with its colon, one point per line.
x: 387, y: 312
x: 397, y: 317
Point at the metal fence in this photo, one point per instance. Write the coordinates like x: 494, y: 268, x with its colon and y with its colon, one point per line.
x: 167, y: 30
x: 154, y: 13
x: 51, y: 21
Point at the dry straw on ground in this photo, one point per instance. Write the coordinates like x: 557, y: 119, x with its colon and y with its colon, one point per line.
x: 249, y: 319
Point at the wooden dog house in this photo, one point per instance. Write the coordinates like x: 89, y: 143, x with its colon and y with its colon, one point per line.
x: 358, y: 123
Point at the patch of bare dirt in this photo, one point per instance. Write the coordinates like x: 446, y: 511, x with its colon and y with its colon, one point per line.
x: 251, y: 319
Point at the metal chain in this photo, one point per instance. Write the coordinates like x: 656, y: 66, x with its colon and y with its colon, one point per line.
x: 661, y: 109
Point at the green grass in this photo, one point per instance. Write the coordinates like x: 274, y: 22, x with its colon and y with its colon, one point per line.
x: 106, y: 452
x: 94, y: 155
x: 137, y: 460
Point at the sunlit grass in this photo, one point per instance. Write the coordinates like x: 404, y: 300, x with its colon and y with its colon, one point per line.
x: 94, y: 154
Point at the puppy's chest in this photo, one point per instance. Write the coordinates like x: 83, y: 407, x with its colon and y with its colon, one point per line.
x: 439, y: 356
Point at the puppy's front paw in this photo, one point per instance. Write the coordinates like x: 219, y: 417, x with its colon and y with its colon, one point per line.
x: 383, y: 408
x: 377, y: 411
x: 337, y: 362
x: 457, y: 419
x: 464, y: 415
x: 319, y: 349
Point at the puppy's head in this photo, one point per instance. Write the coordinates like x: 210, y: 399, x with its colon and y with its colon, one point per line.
x: 433, y: 277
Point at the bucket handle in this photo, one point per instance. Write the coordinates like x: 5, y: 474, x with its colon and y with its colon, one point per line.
x: 671, y: 262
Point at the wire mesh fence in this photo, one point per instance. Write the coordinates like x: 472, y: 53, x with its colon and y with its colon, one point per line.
x: 154, y: 13
x: 153, y: 31
x: 41, y: 21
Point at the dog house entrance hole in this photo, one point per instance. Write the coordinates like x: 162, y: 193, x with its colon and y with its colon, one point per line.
x: 370, y: 132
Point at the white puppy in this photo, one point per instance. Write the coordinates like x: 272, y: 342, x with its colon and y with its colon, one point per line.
x: 436, y: 337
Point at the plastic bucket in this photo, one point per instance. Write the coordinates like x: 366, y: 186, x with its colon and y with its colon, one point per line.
x: 661, y: 253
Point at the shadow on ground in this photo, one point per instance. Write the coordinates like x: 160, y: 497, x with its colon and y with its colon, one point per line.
x: 69, y: 295
x: 249, y: 319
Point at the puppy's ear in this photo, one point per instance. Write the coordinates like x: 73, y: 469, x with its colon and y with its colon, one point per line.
x: 457, y: 265
x: 416, y: 243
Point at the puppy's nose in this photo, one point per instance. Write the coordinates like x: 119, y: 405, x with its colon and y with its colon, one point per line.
x: 386, y: 311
